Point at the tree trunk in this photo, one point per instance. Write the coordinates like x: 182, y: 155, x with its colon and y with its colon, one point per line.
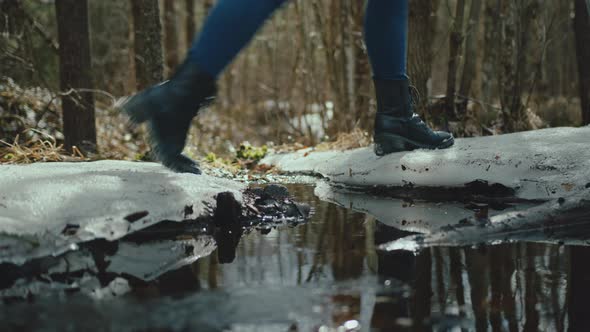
x: 362, y: 76
x: 578, y: 288
x: 148, y: 43
x: 456, y: 40
x: 470, y: 49
x: 421, y: 25
x: 79, y: 126
x: 207, y: 5
x: 582, y: 31
x: 515, y: 75
x: 190, y: 25
x: 469, y: 125
x: 490, y: 66
x: 170, y: 36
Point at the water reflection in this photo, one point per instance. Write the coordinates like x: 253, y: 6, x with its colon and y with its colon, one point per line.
x: 320, y: 275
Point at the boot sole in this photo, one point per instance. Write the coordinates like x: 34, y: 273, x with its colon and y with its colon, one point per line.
x: 390, y: 143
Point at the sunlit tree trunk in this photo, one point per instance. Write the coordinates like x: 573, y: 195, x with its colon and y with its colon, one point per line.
x: 362, y: 70
x: 79, y: 125
x: 148, y: 42
x: 582, y: 31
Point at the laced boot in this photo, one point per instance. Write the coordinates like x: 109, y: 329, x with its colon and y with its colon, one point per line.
x: 397, y: 127
x: 168, y: 108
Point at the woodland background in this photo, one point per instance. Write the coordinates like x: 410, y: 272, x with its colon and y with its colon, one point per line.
x: 480, y: 67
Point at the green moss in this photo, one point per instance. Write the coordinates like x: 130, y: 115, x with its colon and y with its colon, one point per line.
x: 211, y: 157
x: 249, y: 152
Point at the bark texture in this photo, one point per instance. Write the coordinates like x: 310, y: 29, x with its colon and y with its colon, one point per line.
x: 421, y: 25
x: 455, y: 44
x: 79, y: 126
x: 171, y: 36
x: 148, y: 42
x: 190, y: 24
x: 582, y: 31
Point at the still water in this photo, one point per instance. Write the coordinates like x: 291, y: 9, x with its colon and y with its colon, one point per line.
x: 323, y: 275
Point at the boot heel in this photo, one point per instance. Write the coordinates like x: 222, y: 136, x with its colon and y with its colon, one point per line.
x: 385, y: 144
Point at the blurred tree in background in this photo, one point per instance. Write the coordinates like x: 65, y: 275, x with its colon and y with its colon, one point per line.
x: 77, y: 99
x: 480, y: 66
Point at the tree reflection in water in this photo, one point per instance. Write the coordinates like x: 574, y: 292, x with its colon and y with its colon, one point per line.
x: 331, y: 272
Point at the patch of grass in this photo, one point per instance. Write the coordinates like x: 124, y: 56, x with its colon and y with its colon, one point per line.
x: 357, y: 138
x: 43, y: 149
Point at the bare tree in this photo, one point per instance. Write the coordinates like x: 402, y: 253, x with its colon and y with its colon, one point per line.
x: 467, y: 115
x: 582, y: 31
x: 456, y: 41
x: 190, y: 25
x: 421, y: 25
x: 470, y: 53
x: 171, y: 36
x: 491, y: 50
x: 148, y: 42
x: 79, y: 125
x: 515, y: 44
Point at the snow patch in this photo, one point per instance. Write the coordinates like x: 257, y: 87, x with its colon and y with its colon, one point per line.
x: 537, y: 165
x: 46, y: 208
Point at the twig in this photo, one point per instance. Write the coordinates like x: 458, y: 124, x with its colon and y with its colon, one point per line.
x: 40, y: 30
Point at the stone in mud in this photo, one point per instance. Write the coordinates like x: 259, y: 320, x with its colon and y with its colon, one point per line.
x: 272, y: 205
x: 276, y: 191
x: 296, y: 210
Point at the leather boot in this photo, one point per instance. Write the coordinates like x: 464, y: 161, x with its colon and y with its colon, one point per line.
x: 168, y: 108
x: 397, y: 127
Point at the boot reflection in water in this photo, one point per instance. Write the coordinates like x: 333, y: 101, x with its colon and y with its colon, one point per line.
x: 168, y: 108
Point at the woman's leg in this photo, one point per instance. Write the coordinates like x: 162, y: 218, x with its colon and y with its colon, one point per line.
x: 386, y: 34
x: 229, y: 27
x: 169, y: 108
x: 397, y: 128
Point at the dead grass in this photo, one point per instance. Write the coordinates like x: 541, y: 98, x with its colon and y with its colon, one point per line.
x: 43, y: 149
x: 357, y: 138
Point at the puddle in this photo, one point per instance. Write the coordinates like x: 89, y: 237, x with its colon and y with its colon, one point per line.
x: 323, y: 275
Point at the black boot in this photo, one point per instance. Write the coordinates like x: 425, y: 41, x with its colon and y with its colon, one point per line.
x: 168, y: 108
x: 397, y: 127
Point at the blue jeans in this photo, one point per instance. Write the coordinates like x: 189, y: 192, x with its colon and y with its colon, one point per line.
x: 232, y: 23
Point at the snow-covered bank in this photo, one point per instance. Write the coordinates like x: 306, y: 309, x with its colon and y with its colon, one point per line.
x: 539, y: 164
x: 47, y: 208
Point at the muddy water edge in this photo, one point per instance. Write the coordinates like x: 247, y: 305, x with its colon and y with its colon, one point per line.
x: 321, y: 275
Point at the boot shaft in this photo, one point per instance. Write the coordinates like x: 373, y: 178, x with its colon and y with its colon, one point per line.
x: 190, y: 84
x: 393, y: 98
